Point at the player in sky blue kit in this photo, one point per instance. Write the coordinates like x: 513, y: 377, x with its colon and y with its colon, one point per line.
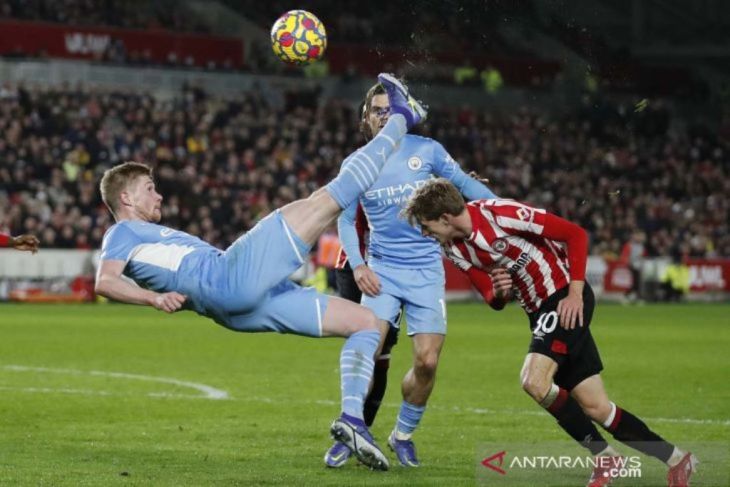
x: 405, y: 269
x: 246, y: 287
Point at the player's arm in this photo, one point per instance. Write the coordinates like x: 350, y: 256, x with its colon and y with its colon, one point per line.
x: 446, y: 167
x: 365, y: 278
x: 570, y: 308
x: 495, y: 287
x: 25, y: 242
x: 109, y: 283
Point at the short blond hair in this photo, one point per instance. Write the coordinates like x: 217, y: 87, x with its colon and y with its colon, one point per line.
x: 433, y: 199
x: 116, y: 180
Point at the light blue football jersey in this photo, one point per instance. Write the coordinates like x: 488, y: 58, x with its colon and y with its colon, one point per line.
x: 162, y: 259
x: 393, y: 240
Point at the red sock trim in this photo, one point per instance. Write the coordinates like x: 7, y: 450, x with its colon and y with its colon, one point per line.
x: 559, y: 401
x: 616, y: 420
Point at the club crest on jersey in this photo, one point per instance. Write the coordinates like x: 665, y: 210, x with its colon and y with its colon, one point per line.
x: 524, y: 214
x: 500, y: 245
x: 415, y: 163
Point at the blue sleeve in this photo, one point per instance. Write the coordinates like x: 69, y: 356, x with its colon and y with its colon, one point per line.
x: 446, y: 167
x: 118, y: 243
x: 348, y: 235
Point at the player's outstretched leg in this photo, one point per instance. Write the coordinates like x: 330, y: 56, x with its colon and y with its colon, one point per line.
x: 310, y: 217
x: 629, y: 429
x: 401, y: 100
x: 362, y: 168
x: 632, y: 431
x: 537, y: 376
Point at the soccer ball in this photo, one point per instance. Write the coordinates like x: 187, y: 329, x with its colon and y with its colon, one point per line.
x: 298, y: 37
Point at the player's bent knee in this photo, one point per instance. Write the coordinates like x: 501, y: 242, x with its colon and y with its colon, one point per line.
x: 367, y: 320
x: 536, y: 387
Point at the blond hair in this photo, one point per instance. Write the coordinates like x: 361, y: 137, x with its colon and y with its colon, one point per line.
x: 436, y: 197
x: 117, y: 179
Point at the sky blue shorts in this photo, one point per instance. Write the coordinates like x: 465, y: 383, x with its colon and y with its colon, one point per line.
x: 250, y: 290
x: 420, y: 293
x: 254, y: 264
x: 288, y: 308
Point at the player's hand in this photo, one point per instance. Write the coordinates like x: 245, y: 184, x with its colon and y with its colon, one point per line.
x: 502, y: 283
x: 168, y: 302
x: 478, y: 177
x: 366, y: 280
x: 25, y: 242
x: 570, y: 311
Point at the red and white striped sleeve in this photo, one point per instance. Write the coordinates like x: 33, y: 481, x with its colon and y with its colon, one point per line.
x: 515, y: 218
x: 518, y: 218
x: 478, y: 277
x: 454, y: 255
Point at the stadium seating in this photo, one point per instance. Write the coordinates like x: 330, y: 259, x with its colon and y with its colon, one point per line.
x: 222, y: 164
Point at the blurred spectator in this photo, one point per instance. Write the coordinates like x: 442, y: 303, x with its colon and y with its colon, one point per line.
x: 221, y: 164
x: 675, y: 281
x: 632, y: 255
x: 492, y: 80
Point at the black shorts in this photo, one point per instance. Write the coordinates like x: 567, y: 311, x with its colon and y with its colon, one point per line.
x: 574, y: 350
x: 346, y: 285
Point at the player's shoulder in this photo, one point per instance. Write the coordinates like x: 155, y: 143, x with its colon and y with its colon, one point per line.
x: 419, y: 142
x: 128, y: 228
x: 508, y: 213
x: 117, y: 228
x: 495, y: 204
x: 418, y: 139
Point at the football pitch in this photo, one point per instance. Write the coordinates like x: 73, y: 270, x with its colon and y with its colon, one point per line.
x: 122, y: 395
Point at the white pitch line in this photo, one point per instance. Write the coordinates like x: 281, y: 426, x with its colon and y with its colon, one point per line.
x: 510, y: 412
x: 208, y: 391
x: 61, y: 390
x: 213, y: 393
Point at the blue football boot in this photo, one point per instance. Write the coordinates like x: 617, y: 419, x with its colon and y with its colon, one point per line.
x: 405, y: 450
x: 337, y: 455
x: 401, y: 101
x: 355, y: 435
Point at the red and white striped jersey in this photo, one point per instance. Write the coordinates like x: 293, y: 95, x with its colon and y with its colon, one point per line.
x: 511, y: 235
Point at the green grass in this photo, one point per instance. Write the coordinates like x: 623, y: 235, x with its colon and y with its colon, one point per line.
x: 667, y: 364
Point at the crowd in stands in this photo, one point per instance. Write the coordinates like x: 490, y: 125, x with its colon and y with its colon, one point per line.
x: 131, y: 14
x: 221, y: 164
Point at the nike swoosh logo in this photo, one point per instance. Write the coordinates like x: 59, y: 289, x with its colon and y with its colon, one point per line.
x: 338, y: 457
x: 166, y: 232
